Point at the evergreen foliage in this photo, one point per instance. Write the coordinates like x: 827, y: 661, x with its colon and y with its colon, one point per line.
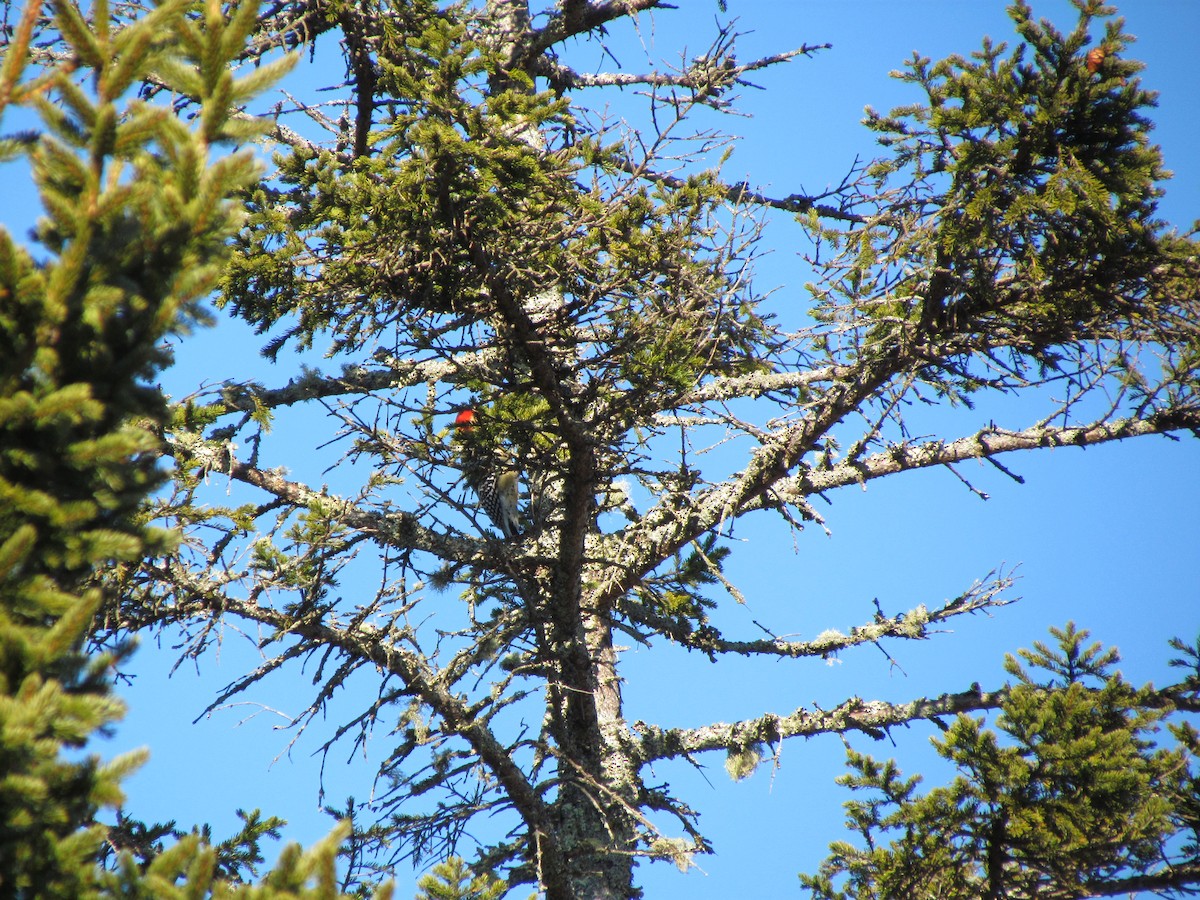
x: 1034, y: 184
x: 135, y: 223
x: 137, y: 219
x: 1076, y: 796
x: 452, y: 880
x: 469, y: 231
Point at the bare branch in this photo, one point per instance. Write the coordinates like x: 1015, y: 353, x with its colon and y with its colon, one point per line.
x: 743, y: 194
x: 872, y: 717
x: 984, y: 444
x: 397, y: 529
x: 580, y: 17
x: 366, y: 642
x: 911, y: 625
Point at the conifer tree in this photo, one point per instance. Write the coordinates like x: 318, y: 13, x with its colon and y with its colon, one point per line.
x: 464, y: 230
x: 136, y: 225
x: 452, y: 880
x: 1076, y: 797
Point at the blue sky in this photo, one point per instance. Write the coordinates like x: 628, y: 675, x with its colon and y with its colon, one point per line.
x: 1106, y: 537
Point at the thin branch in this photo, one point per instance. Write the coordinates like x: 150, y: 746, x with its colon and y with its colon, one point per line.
x: 984, y: 444
x: 911, y: 625
x: 873, y: 717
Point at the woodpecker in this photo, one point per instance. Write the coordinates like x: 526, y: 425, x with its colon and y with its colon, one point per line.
x: 465, y: 421
x: 498, y: 494
x: 496, y: 486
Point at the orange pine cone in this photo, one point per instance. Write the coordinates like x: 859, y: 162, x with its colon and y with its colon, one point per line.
x: 1094, y: 59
